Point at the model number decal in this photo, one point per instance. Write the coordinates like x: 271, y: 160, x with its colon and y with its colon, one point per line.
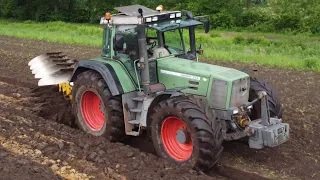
x: 188, y: 76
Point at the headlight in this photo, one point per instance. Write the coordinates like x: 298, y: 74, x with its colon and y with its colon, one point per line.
x: 172, y: 16
x: 240, y: 92
x: 178, y: 14
x: 219, y: 93
x: 235, y: 111
x: 148, y: 19
x: 155, y: 18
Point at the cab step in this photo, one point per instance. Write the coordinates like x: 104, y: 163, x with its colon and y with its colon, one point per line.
x: 133, y: 133
x: 138, y: 98
x: 134, y: 122
x: 136, y: 110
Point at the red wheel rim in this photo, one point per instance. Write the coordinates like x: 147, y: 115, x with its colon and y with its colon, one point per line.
x: 180, y: 152
x: 92, y: 110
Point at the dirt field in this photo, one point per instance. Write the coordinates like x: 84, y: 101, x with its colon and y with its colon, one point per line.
x: 38, y: 142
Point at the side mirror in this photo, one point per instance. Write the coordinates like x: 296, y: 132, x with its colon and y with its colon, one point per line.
x: 188, y: 14
x: 200, y: 50
x: 206, y: 25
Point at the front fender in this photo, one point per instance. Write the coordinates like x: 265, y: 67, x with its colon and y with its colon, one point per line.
x: 113, y: 72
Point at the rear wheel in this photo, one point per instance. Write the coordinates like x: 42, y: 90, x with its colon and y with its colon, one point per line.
x: 186, y: 133
x: 275, y: 107
x: 96, y: 111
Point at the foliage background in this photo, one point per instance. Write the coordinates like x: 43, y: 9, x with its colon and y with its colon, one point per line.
x: 297, y: 16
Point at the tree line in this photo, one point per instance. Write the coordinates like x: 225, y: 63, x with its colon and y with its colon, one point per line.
x: 260, y: 15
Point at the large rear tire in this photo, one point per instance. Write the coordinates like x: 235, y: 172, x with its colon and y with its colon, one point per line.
x: 186, y: 132
x: 96, y: 111
x: 275, y: 107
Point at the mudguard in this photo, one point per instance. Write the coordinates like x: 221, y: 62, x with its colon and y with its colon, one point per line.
x: 116, y: 76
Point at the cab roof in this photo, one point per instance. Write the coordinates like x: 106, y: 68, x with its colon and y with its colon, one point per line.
x: 129, y: 15
x: 132, y: 10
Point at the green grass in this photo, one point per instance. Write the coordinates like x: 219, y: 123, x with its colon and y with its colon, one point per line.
x: 82, y: 34
x: 290, y: 51
x: 300, y: 51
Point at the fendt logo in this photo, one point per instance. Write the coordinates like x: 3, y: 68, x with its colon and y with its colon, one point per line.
x: 188, y: 76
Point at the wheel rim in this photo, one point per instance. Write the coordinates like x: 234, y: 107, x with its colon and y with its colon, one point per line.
x: 91, y: 108
x: 178, y: 151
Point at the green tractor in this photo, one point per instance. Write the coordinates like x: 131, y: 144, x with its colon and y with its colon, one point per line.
x: 149, y: 80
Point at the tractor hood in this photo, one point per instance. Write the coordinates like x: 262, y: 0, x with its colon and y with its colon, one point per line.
x: 198, y: 69
x: 220, y: 85
x: 195, y: 76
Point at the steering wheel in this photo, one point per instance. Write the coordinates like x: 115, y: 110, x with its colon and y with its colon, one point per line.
x: 154, y: 44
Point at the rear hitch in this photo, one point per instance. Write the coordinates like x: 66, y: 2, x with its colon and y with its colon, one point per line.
x: 266, y: 131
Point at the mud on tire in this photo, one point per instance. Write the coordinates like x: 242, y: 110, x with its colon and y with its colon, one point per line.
x: 275, y: 107
x: 205, y: 133
x: 113, y: 124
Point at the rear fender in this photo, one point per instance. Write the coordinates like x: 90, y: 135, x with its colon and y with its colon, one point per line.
x: 114, y: 74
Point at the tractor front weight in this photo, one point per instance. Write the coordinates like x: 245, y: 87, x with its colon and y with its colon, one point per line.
x: 266, y: 131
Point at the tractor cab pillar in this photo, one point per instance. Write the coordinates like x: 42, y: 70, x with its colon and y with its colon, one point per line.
x: 160, y: 38
x: 192, y: 37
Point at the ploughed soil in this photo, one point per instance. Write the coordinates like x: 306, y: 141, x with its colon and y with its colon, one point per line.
x: 37, y: 140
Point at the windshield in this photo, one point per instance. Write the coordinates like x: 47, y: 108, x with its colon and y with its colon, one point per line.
x: 173, y: 40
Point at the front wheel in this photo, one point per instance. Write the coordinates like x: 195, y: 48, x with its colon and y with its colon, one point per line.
x: 185, y: 133
x: 275, y: 107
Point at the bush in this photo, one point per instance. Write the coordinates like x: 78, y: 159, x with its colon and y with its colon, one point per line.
x: 311, y: 23
x: 222, y: 19
x: 259, y: 18
x: 239, y: 39
x: 260, y: 40
x: 250, y: 40
x: 311, y: 63
x: 287, y: 22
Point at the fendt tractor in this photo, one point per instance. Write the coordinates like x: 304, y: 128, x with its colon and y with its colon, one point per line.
x: 148, y: 79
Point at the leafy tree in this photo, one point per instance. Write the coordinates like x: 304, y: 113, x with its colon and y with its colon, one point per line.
x: 262, y: 15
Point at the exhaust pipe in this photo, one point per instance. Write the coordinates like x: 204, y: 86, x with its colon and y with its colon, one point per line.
x: 143, y: 58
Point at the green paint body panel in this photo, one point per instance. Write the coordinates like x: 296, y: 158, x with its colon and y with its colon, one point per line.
x: 175, y: 72
x: 202, y: 75
x: 125, y: 78
x: 187, y: 67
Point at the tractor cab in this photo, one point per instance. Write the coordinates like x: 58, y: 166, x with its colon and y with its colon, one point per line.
x: 166, y: 33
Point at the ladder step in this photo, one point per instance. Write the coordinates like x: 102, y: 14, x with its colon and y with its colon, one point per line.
x: 136, y: 110
x: 134, y: 122
x: 140, y: 93
x: 133, y: 133
x: 139, y: 98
